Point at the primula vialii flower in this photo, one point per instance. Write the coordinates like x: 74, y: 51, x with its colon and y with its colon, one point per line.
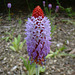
x: 50, y: 6
x: 44, y: 3
x: 57, y: 8
x: 9, y: 5
x: 38, y: 36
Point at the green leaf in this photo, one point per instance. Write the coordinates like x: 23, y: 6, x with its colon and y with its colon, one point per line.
x: 53, y: 28
x: 15, y: 45
x: 20, y: 21
x: 51, y: 51
x: 15, y: 40
x: 31, y: 67
x: 21, y: 45
x: 65, y: 54
x: 61, y: 49
x: 25, y: 62
x: 49, y: 55
x: 18, y: 40
x: 12, y: 48
x: 7, y: 33
x: 46, y: 10
x: 41, y: 69
x: 12, y: 31
x: 28, y: 66
x: 3, y: 38
x: 7, y: 38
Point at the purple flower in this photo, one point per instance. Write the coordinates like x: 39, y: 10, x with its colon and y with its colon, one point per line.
x: 44, y: 3
x: 38, y: 37
x: 57, y: 8
x: 9, y: 5
x: 50, y: 6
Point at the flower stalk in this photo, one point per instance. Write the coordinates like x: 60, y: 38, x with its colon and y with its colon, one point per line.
x: 37, y: 70
x: 9, y: 17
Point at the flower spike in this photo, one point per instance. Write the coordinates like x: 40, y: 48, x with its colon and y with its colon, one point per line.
x: 38, y: 36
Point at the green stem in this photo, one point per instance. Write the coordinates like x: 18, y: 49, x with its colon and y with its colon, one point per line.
x: 60, y: 5
x: 44, y: 9
x: 28, y: 5
x: 29, y: 73
x: 50, y: 15
x: 46, y: 2
x: 9, y: 15
x: 37, y: 70
x: 5, y: 5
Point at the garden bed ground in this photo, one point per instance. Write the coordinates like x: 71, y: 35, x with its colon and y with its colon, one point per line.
x: 10, y: 62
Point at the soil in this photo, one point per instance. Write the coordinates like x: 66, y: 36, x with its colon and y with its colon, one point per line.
x: 10, y: 62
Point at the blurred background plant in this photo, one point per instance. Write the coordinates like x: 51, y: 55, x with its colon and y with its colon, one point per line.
x: 56, y: 10
x: 68, y: 10
x: 59, y: 53
x: 9, y: 6
x: 28, y: 5
x: 20, y: 22
x: 48, y: 11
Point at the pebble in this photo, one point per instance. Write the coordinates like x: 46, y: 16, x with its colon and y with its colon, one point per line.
x: 59, y: 44
x: 3, y: 62
x: 67, y: 42
x: 6, y: 49
x: 55, y: 61
x: 58, y: 70
x: 5, y: 68
x: 46, y: 72
x: 62, y: 73
x: 47, y: 67
x: 52, y: 70
x: 1, y: 58
x: 5, y: 58
x: 62, y: 69
x: 72, y: 44
x: 68, y: 72
x: 54, y: 42
x: 19, y: 64
x: 14, y: 68
x: 24, y: 68
x: 69, y: 33
x: 0, y: 47
x: 53, y: 67
x: 73, y: 51
x: 8, y: 44
x: 2, y: 36
x: 12, y: 56
x: 1, y: 71
x: 11, y: 65
x: 8, y: 73
x: 10, y: 60
x: 50, y: 62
